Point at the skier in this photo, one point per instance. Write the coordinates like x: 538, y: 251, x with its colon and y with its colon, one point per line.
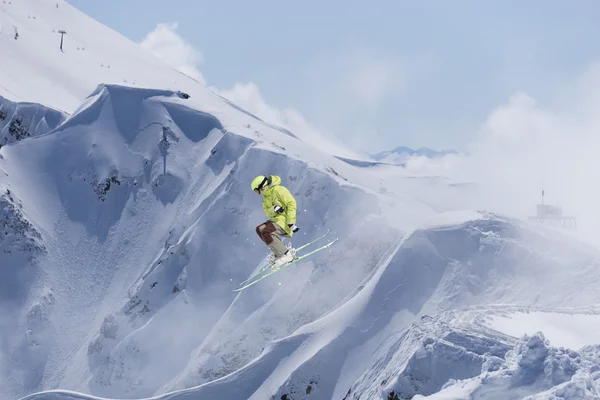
x: 280, y: 207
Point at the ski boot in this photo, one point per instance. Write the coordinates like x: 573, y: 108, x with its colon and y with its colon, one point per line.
x: 284, y: 259
x: 291, y: 250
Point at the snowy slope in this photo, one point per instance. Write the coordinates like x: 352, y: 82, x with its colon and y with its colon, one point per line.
x: 33, y: 68
x: 179, y: 177
x: 446, y: 265
x: 529, y: 366
x: 383, y: 343
x: 149, y: 224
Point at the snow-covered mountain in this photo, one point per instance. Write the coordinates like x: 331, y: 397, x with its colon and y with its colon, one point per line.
x: 127, y: 220
x: 442, y: 317
x: 401, y: 154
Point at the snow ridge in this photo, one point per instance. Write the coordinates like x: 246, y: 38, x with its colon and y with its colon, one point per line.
x: 21, y: 120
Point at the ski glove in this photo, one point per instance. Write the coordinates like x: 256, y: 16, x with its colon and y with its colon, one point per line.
x: 278, y: 209
x: 294, y: 228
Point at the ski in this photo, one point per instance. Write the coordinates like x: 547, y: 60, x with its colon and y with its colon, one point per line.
x: 297, y: 250
x: 286, y: 265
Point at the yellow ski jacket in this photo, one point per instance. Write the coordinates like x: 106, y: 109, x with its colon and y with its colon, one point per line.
x: 273, y: 195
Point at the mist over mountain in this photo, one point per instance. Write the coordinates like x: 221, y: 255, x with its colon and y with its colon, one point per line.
x: 400, y: 154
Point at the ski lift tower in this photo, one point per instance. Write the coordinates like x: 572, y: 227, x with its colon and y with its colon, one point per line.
x: 553, y: 216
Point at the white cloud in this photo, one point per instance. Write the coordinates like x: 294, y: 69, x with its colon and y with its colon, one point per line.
x: 438, y: 166
x: 342, y: 86
x: 523, y: 145
x: 165, y: 43
x: 526, y: 143
x: 354, y: 81
x: 346, y: 84
x: 249, y: 97
x: 347, y: 90
x: 369, y: 79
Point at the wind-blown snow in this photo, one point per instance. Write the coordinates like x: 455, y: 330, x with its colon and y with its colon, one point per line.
x: 562, y: 329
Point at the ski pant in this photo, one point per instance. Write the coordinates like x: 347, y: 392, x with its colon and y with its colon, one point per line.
x: 269, y: 233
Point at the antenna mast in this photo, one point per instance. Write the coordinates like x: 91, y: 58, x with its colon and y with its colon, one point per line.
x: 542, y: 192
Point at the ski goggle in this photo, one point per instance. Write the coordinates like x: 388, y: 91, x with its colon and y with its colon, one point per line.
x: 262, y: 185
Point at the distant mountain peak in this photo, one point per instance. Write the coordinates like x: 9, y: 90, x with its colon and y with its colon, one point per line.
x: 401, y: 153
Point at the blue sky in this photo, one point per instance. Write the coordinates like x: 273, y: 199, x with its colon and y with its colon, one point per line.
x: 377, y: 76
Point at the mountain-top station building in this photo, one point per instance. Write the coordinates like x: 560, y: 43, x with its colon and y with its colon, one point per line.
x: 553, y: 216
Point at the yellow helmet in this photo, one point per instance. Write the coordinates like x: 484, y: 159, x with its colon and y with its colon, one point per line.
x: 259, y: 182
